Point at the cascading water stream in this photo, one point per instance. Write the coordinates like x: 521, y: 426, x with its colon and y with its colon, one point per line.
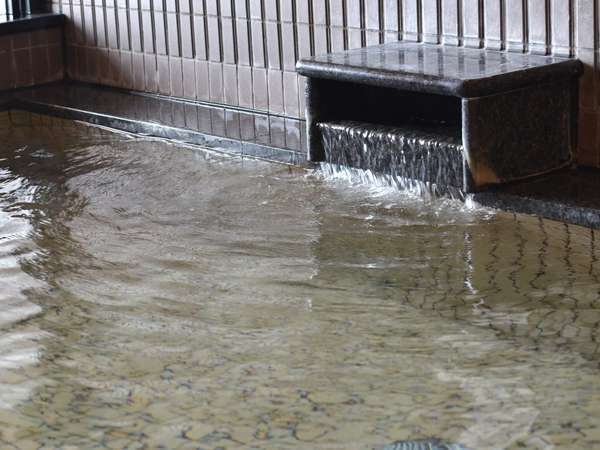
x: 423, y: 159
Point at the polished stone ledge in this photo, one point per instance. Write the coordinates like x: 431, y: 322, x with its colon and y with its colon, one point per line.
x: 438, y: 69
x: 227, y: 130
x: 31, y: 23
x: 570, y: 196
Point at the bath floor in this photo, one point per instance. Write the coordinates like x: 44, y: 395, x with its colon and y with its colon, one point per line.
x: 158, y: 295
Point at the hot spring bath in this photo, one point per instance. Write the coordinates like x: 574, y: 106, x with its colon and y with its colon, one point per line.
x: 154, y: 295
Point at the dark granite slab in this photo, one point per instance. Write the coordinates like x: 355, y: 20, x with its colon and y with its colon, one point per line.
x: 228, y: 130
x: 571, y: 196
x: 447, y: 70
x: 29, y: 23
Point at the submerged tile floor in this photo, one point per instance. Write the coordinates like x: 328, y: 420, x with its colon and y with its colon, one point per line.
x: 159, y: 296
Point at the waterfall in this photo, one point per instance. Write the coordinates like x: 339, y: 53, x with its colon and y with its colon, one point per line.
x: 414, y: 157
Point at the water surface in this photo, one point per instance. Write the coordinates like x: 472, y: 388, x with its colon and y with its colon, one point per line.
x: 156, y: 295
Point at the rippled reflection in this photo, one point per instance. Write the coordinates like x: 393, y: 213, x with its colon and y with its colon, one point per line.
x: 156, y: 295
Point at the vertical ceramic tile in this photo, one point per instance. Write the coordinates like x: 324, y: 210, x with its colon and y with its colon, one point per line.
x: 111, y: 28
x: 258, y: 50
x: 176, y: 76
x: 275, y: 91
x: 245, y: 87
x: 290, y: 94
x: 200, y: 42
x: 471, y: 23
x: 537, y: 16
x: 304, y: 48
x: 372, y: 10
x: 515, y: 32
x: 493, y: 24
x: 147, y: 32
x: 320, y: 39
x: 411, y: 20
x: 561, y: 29
x: 259, y: 88
x: 288, y: 49
x: 336, y: 13
x: 123, y: 25
x: 215, y: 78
x: 272, y: 39
x: 164, y: 77
x: 230, y: 85
x: 187, y: 50
x: 586, y: 34
x: 138, y: 72
x: 160, y: 37
x: 450, y: 23
x: 214, y: 44
x: 243, y: 42
x: 172, y: 34
x: 189, y: 78
x: 135, y: 29
x: 100, y: 27
x: 228, y: 39
x: 202, y: 83
x: 431, y: 32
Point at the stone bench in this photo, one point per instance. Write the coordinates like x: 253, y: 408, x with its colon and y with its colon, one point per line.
x: 511, y: 115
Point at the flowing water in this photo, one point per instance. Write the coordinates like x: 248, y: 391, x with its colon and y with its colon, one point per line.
x: 156, y: 295
x: 418, y: 156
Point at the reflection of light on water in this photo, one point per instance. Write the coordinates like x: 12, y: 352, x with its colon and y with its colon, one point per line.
x: 20, y: 346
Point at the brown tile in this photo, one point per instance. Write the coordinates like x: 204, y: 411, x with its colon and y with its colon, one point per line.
x: 82, y: 66
x: 39, y: 37
x: 23, y: 68
x: 39, y: 56
x: 586, y: 84
x: 7, y: 80
x: 21, y: 40
x: 55, y: 63
x: 54, y: 36
x: 588, y: 157
x: 103, y: 65
x: 5, y: 43
x: 91, y: 59
x: 114, y: 58
x: 588, y: 137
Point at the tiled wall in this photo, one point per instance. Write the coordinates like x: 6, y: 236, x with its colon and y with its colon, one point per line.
x: 243, y: 52
x: 30, y: 58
